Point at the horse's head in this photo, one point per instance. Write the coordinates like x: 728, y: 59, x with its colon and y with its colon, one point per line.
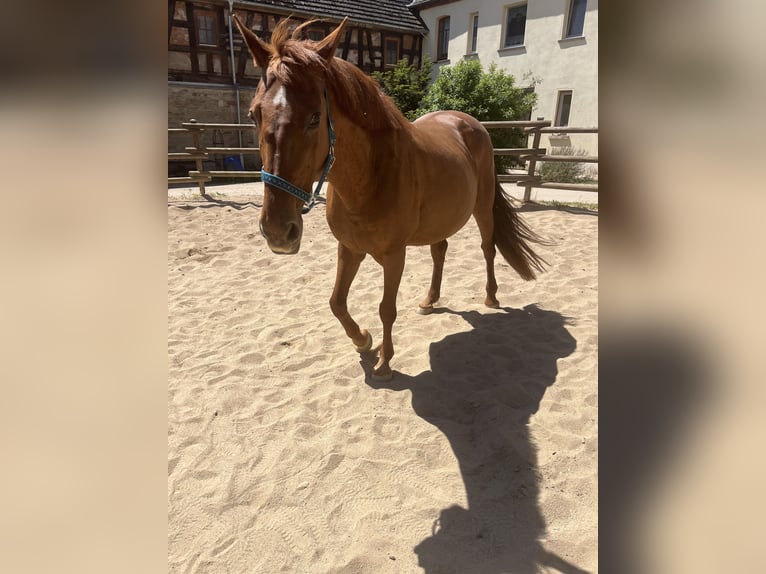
x: 291, y: 114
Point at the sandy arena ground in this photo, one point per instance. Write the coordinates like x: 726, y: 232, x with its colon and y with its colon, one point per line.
x: 479, y: 457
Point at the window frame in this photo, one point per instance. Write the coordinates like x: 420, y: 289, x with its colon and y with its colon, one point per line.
x: 568, y: 20
x: 443, y: 37
x: 473, y: 33
x: 213, y: 31
x: 561, y: 94
x: 506, y: 14
x: 386, y: 63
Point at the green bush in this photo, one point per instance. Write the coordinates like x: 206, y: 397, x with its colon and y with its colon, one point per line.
x: 406, y: 85
x: 487, y: 96
x: 564, y: 172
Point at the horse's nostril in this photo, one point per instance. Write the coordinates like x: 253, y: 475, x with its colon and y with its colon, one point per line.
x: 293, y: 232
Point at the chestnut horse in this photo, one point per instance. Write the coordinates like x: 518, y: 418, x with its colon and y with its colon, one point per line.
x: 392, y: 184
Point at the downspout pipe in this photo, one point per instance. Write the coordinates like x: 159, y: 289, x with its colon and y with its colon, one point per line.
x: 234, y: 78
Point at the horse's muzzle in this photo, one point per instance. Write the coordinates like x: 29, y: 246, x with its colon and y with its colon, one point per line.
x: 284, y: 240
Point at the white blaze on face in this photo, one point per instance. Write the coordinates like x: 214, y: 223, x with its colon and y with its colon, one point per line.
x: 280, y: 100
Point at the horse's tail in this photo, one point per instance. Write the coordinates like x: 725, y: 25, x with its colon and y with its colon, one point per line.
x: 513, y: 236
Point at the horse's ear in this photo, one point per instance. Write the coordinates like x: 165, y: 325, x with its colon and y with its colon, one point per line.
x: 257, y: 47
x: 326, y: 48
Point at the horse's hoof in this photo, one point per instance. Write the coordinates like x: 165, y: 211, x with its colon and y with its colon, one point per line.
x: 367, y: 345
x: 492, y: 304
x: 382, y: 371
x: 425, y: 310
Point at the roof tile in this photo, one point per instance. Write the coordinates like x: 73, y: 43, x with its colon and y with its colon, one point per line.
x: 388, y: 13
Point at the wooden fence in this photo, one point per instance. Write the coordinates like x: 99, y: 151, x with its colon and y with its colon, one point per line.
x: 530, y: 156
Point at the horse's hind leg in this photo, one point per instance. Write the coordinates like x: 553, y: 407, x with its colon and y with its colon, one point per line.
x: 438, y: 252
x: 486, y: 225
x: 348, y: 265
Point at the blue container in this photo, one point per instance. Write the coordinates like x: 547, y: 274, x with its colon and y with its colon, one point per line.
x: 233, y: 163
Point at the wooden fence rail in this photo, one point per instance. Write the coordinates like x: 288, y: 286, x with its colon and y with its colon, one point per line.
x: 529, y: 155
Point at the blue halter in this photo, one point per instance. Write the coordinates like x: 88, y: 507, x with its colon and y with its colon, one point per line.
x: 308, y: 198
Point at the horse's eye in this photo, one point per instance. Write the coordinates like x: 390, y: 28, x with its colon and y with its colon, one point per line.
x: 252, y: 117
x: 314, y: 121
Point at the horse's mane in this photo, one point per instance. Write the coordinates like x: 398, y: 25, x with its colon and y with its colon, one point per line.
x: 354, y: 92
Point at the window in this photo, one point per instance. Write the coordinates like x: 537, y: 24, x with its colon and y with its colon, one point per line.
x: 392, y: 51
x: 515, y: 23
x: 562, y: 108
x: 527, y: 115
x: 206, y: 33
x: 315, y: 34
x: 474, y: 33
x: 442, y: 43
x: 575, y: 18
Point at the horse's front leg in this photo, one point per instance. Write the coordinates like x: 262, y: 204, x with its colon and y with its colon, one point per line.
x: 348, y: 265
x: 393, y: 266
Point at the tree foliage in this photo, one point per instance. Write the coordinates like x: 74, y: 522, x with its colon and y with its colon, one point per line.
x: 406, y: 85
x: 487, y: 96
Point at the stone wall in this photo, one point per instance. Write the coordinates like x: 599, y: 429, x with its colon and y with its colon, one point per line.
x: 210, y: 105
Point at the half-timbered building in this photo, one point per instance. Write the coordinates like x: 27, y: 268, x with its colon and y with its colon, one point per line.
x: 211, y: 76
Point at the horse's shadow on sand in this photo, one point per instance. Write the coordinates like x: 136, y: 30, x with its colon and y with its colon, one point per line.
x: 481, y: 391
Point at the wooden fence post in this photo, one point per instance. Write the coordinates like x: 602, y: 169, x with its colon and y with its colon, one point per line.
x: 532, y: 165
x: 197, y: 142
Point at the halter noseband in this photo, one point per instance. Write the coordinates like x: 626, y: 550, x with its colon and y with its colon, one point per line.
x: 308, y: 198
